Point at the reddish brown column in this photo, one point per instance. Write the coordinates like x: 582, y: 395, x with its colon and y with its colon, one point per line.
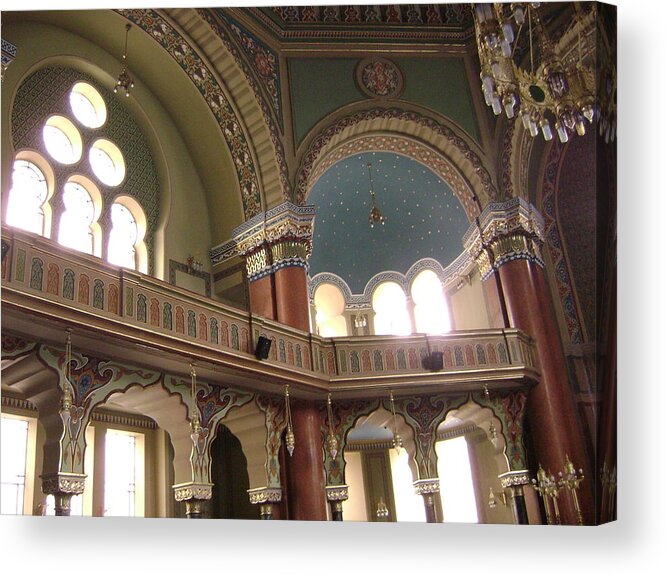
x: 307, y: 481
x: 291, y: 297
x: 555, y: 430
x: 262, y: 297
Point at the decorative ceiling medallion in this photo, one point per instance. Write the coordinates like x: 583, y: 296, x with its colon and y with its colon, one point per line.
x: 379, y: 78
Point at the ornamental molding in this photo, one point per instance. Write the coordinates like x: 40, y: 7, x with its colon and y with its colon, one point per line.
x: 261, y: 495
x: 426, y: 486
x: 379, y: 78
x: 73, y: 483
x: 187, y: 491
x: 505, y: 232
x: 278, y: 238
x: 337, y: 492
x: 514, y: 478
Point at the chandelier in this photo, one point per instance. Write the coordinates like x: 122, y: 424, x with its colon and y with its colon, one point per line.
x: 125, y: 81
x: 551, y: 85
x: 375, y: 216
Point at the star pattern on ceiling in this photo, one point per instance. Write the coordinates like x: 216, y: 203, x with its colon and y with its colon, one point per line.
x: 424, y: 218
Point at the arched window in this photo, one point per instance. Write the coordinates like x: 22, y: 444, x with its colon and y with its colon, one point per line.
x: 431, y: 312
x: 26, y: 208
x: 62, y: 140
x: 330, y: 306
x: 78, y: 229
x: 87, y: 105
x: 390, y: 305
x: 126, y: 247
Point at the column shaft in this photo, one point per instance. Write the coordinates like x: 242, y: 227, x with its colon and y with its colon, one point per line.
x: 262, y: 297
x: 307, y: 496
x: 292, y: 300
x: 555, y: 429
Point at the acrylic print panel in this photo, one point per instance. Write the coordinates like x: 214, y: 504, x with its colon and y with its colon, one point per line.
x: 412, y: 205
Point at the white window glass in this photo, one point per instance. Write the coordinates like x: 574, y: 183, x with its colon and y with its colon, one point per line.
x: 26, y: 198
x: 76, y: 221
x: 107, y: 162
x: 430, y: 310
x: 122, y: 238
x: 330, y: 306
x: 391, y: 315
x: 120, y: 478
x: 62, y: 140
x: 87, y: 105
x: 14, y: 436
x: 455, y: 481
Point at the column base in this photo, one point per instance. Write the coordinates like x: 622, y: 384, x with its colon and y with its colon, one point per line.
x: 266, y: 498
x: 195, y: 496
x: 335, y: 495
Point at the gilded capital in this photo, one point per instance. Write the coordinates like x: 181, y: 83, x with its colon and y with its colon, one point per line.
x: 57, y: 483
x: 278, y: 238
x: 337, y: 492
x: 514, y: 478
x: 426, y: 486
x: 191, y: 490
x: 262, y: 495
x: 504, y: 232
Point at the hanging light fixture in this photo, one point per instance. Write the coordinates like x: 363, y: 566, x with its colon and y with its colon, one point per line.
x: 290, y: 440
x: 397, y: 440
x: 125, y: 81
x: 557, y: 92
x: 331, y: 440
x: 195, y: 422
x: 375, y: 216
x: 492, y: 430
x: 67, y: 400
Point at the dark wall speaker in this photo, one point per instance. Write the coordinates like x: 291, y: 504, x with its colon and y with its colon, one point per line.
x: 263, y: 347
x: 436, y: 361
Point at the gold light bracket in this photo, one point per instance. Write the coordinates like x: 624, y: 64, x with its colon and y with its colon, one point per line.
x: 290, y: 440
x: 397, y: 440
x: 331, y: 440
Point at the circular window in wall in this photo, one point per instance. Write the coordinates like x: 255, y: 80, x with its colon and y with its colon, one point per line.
x: 62, y: 140
x: 107, y: 162
x: 87, y: 105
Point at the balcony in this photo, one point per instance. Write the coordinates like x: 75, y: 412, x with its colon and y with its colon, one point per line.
x: 124, y: 315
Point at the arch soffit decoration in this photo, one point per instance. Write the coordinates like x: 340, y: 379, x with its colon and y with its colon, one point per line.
x: 240, y: 118
x: 438, y: 146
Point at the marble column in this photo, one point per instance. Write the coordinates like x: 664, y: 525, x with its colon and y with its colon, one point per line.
x: 63, y: 486
x: 507, y: 242
x: 429, y: 490
x: 196, y: 497
x: 267, y: 498
x: 513, y: 482
x: 336, y: 494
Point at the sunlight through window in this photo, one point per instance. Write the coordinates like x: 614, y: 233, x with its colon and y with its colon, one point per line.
x: 456, y: 484
x: 391, y: 315
x: 430, y: 310
x: 122, y: 238
x: 27, y: 197
x: 75, y: 223
x: 120, y: 477
x: 13, y: 465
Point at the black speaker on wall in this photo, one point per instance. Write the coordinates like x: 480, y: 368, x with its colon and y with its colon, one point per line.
x: 263, y: 347
x: 434, y: 361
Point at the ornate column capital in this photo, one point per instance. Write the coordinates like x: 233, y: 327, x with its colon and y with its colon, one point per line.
x: 191, y: 490
x: 70, y: 483
x: 337, y: 492
x: 280, y: 237
x: 504, y: 232
x: 8, y: 55
x: 261, y: 495
x: 426, y: 486
x: 514, y: 478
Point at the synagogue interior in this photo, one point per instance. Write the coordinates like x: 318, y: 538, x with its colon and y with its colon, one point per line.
x: 325, y: 263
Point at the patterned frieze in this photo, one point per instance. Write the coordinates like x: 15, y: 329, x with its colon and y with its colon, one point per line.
x: 8, y: 55
x: 337, y: 492
x: 73, y: 483
x: 192, y: 490
x: 514, y: 478
x: 505, y: 232
x: 278, y: 238
x: 426, y: 486
x: 261, y: 495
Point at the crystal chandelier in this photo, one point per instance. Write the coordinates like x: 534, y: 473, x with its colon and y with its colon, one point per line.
x: 555, y: 90
x: 375, y: 216
x: 125, y: 81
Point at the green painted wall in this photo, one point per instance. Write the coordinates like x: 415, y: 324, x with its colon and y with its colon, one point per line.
x: 330, y: 81
x: 320, y: 86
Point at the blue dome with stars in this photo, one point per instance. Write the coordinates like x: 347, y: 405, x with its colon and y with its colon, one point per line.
x: 424, y: 219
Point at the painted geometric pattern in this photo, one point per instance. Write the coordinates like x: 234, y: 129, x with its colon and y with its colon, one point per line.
x: 188, y: 59
x: 554, y: 243
x: 264, y: 60
x: 46, y: 92
x: 305, y: 176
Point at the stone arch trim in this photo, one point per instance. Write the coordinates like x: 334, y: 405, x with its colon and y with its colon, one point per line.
x: 253, y: 142
x: 437, y: 146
